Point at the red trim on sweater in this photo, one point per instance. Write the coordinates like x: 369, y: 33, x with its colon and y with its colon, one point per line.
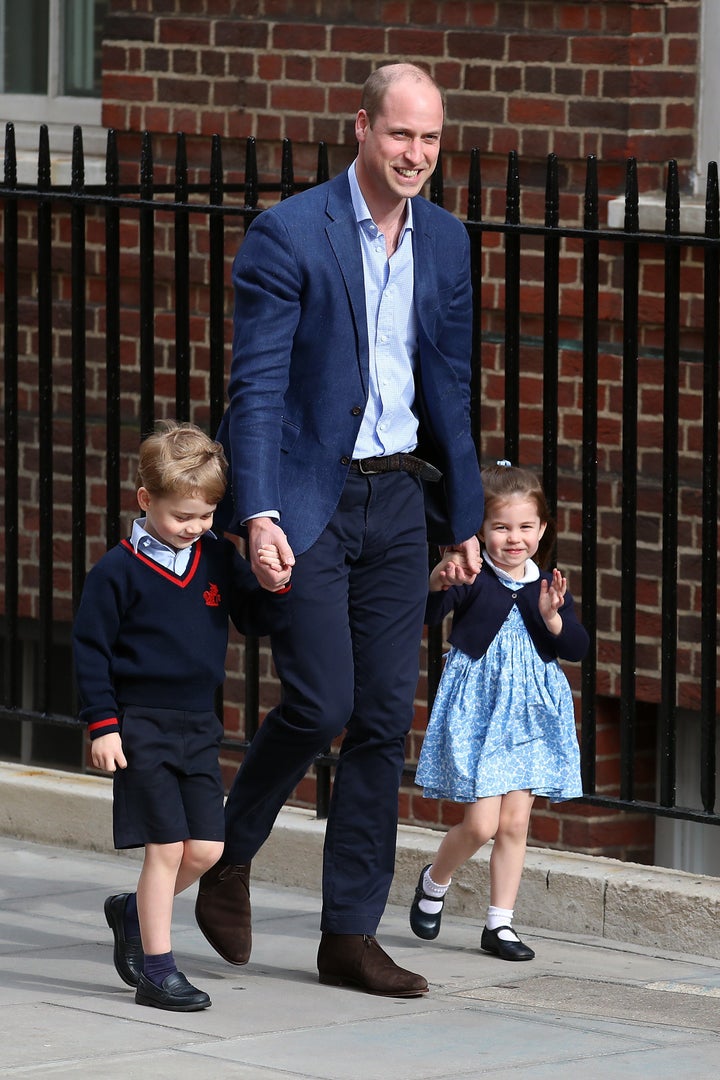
x: 112, y: 721
x: 168, y: 574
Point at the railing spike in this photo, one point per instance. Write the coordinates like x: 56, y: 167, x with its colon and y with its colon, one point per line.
x: 10, y: 167
x: 712, y: 208
x: 323, y: 166
x: 672, y: 200
x: 552, y: 194
x: 287, y: 176
x: 632, y: 200
x: 44, y: 169
x: 474, y: 211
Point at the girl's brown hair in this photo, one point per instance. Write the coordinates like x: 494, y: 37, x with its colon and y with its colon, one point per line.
x: 180, y: 459
x: 502, y: 482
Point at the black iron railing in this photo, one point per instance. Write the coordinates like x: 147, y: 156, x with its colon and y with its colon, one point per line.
x: 195, y: 222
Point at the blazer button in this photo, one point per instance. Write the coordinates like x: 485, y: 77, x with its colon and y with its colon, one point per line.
x: 514, y: 595
x: 344, y: 460
x: 356, y: 410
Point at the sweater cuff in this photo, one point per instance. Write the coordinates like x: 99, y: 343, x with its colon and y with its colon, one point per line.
x: 103, y: 727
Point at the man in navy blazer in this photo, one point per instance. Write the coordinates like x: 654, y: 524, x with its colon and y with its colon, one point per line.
x: 348, y: 432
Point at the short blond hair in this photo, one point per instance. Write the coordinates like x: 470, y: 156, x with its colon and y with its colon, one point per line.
x: 180, y: 459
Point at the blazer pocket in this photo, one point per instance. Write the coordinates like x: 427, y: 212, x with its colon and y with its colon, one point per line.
x: 288, y: 436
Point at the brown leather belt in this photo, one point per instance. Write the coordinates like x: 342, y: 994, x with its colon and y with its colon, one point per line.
x: 397, y: 463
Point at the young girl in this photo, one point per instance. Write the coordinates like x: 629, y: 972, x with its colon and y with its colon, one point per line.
x: 502, y: 729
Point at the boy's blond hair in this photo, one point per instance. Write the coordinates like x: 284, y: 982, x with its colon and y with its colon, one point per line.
x: 180, y: 459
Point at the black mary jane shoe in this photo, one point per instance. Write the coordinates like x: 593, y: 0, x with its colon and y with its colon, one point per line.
x: 506, y: 950
x: 176, y: 994
x: 127, y: 952
x: 422, y: 924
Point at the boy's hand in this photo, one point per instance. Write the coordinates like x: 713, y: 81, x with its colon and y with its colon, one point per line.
x: 271, y: 557
x: 107, y: 753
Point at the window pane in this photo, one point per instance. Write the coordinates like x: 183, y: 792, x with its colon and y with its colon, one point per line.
x: 25, y: 51
x: 84, y: 20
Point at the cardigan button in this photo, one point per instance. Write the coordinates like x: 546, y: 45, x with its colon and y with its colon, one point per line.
x: 514, y: 595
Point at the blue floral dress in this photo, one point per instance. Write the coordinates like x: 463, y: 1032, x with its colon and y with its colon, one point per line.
x: 502, y: 723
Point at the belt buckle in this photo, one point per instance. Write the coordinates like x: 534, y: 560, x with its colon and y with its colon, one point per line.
x: 363, y: 470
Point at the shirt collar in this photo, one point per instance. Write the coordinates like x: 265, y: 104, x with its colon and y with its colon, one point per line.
x: 360, y: 207
x: 531, y: 572
x: 140, y: 537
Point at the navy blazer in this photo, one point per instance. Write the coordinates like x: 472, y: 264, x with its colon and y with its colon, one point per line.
x: 299, y: 378
x: 481, y: 609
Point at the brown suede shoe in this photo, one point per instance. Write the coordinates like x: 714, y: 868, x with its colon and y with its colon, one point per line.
x: 222, y: 910
x: 358, y: 960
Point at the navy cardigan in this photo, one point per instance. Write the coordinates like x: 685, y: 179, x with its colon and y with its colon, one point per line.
x: 480, y: 610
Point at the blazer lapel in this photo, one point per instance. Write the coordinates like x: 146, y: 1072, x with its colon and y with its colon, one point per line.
x: 342, y: 235
x: 425, y: 284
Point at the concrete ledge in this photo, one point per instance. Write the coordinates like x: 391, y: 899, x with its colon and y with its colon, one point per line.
x: 561, y: 891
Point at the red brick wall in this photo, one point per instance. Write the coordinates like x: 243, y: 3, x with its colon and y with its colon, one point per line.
x: 610, y: 78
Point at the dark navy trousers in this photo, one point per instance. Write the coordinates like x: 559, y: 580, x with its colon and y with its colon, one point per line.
x: 348, y: 662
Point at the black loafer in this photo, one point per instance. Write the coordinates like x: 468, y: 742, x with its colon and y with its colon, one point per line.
x: 128, y: 952
x: 506, y: 950
x: 422, y: 924
x: 176, y: 994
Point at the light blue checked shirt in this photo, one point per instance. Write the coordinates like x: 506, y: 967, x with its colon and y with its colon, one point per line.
x: 166, y: 556
x: 389, y: 425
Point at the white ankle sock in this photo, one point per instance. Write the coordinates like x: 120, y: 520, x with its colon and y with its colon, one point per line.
x: 432, y: 907
x: 496, y: 917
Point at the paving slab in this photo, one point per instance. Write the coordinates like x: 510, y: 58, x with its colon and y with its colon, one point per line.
x: 586, y: 1006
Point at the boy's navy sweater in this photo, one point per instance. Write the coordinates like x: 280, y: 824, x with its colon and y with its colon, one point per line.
x: 481, y: 609
x: 146, y: 636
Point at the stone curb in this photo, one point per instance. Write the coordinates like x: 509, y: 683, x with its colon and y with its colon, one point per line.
x: 563, y: 892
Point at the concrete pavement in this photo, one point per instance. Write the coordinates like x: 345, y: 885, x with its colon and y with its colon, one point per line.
x: 584, y: 1007
x: 626, y: 982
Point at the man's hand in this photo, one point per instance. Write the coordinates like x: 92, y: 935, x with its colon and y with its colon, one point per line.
x: 106, y: 753
x: 271, y: 557
x: 468, y: 564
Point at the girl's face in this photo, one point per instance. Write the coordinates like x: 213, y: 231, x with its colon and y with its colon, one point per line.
x: 176, y: 520
x: 511, y: 533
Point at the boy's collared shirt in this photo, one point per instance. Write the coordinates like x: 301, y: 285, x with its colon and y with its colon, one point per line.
x: 176, y: 561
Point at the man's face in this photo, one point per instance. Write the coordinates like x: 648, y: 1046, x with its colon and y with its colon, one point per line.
x: 398, y: 153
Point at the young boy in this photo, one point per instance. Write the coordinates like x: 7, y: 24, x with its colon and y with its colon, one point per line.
x: 149, y: 639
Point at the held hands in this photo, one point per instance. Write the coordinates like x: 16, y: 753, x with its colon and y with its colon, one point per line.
x: 552, y: 597
x: 271, y: 557
x: 460, y: 564
x: 106, y: 753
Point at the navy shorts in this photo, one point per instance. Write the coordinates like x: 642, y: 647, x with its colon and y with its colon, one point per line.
x: 172, y: 788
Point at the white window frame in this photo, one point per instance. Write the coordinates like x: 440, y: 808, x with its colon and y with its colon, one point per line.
x: 708, y: 134
x: 60, y: 112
